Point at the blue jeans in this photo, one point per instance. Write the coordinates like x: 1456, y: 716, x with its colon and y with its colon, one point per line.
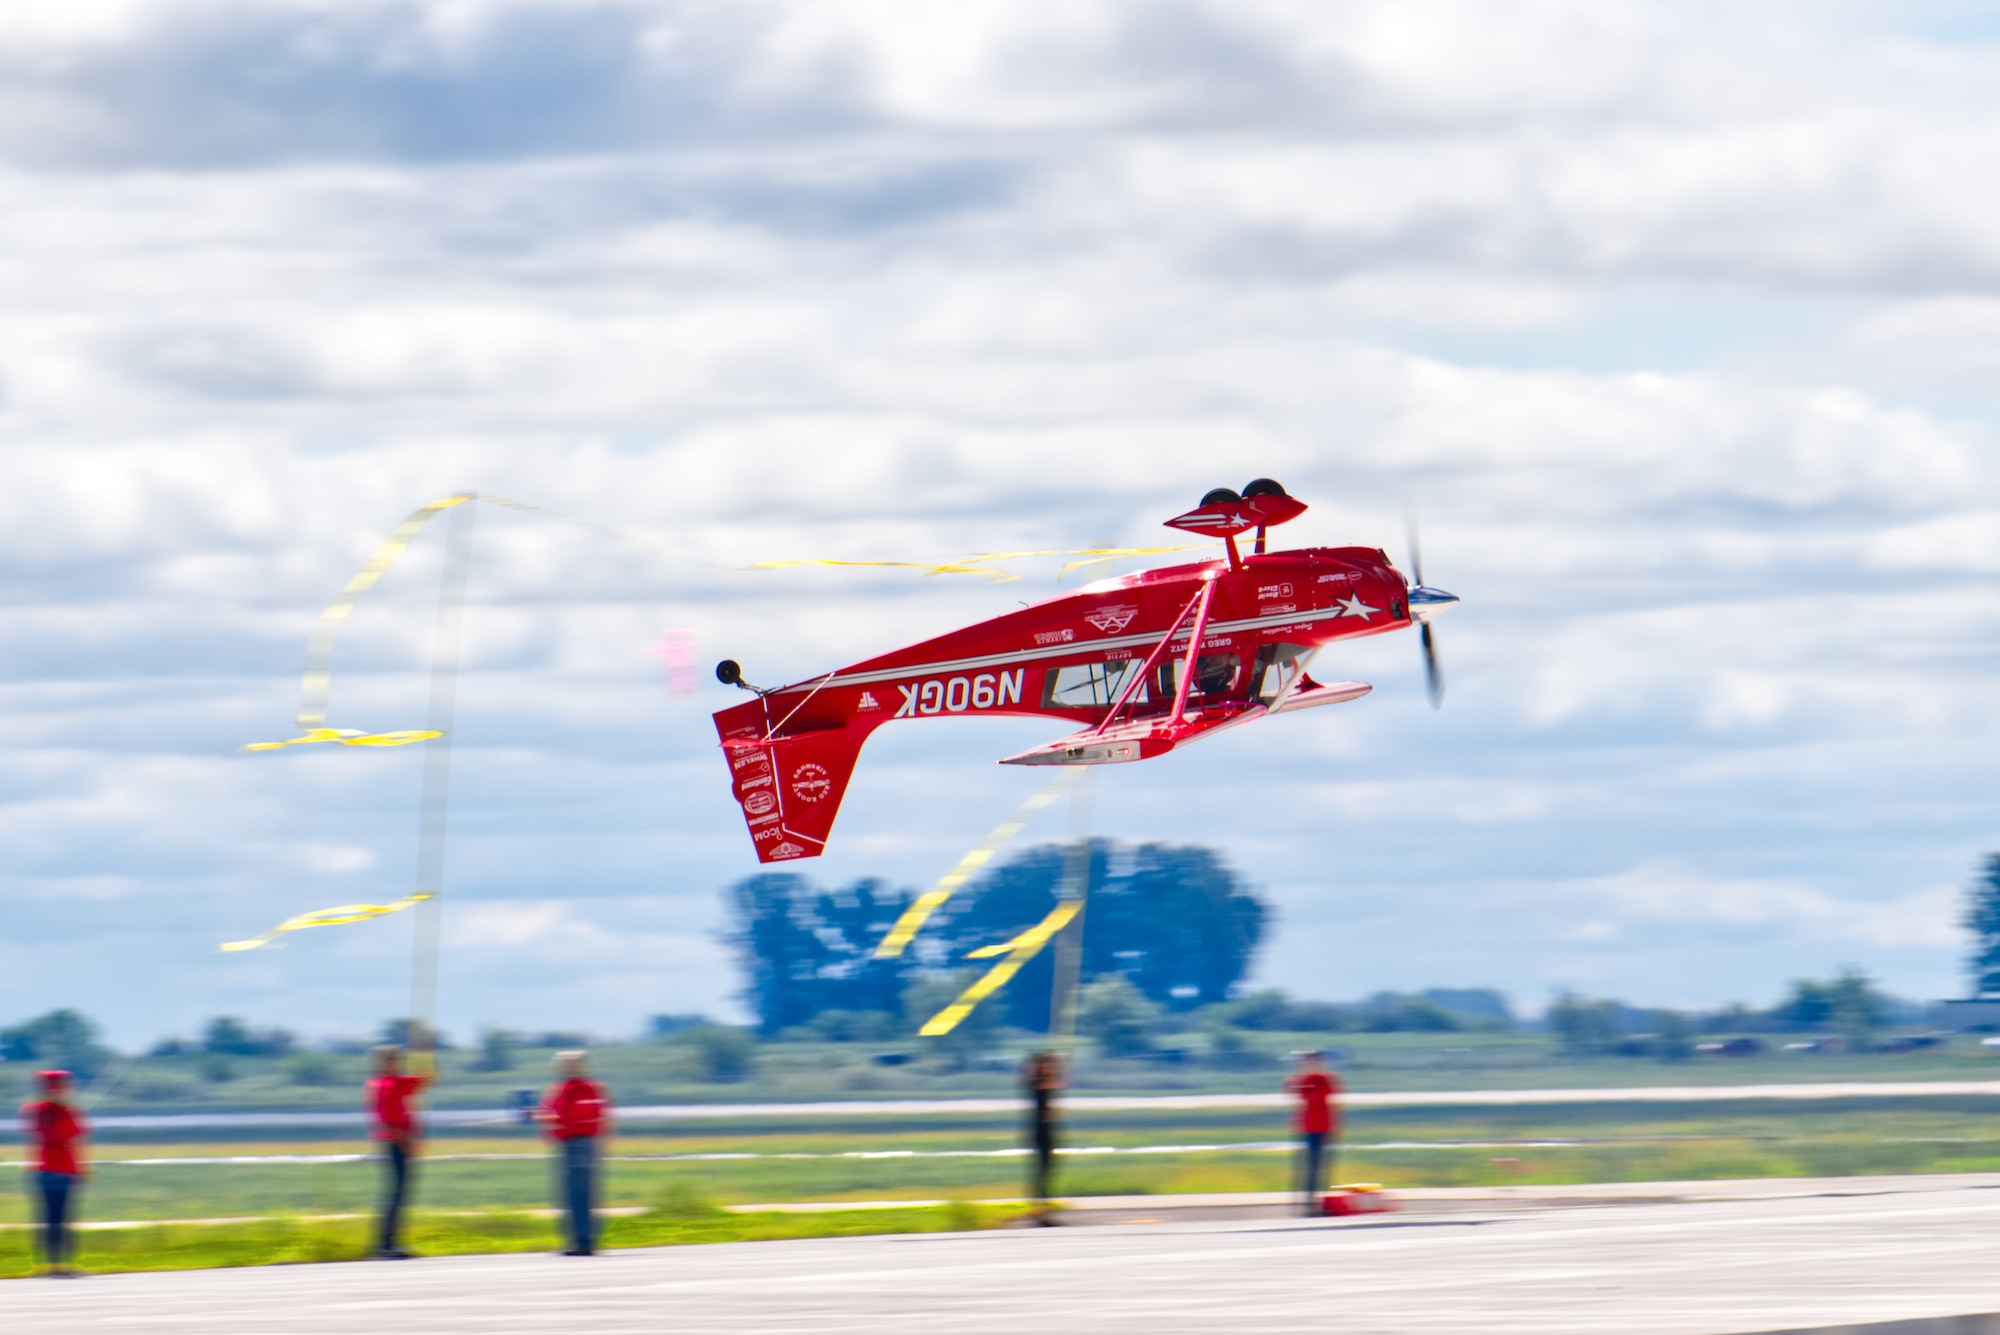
x: 54, y: 1190
x: 578, y: 1184
x: 396, y: 1189
x: 1312, y: 1172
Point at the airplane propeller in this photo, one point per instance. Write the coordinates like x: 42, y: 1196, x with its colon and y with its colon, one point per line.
x: 1426, y: 603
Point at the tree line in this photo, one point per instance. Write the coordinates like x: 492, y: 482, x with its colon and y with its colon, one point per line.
x: 1175, y: 923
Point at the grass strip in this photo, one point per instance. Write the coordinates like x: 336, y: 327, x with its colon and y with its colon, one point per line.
x: 678, y: 1218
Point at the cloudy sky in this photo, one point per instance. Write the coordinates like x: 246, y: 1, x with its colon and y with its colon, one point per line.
x: 1678, y: 322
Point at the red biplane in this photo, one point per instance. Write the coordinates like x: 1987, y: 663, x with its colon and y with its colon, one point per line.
x: 1145, y: 662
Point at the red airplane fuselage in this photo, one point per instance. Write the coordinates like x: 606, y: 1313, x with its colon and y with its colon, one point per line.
x: 1113, y: 658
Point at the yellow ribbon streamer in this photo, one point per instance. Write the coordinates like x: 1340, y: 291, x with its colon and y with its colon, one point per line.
x: 979, y: 565
x: 1020, y: 950
x: 347, y: 737
x: 993, y: 952
x: 337, y: 916
x: 927, y: 903
x: 319, y: 647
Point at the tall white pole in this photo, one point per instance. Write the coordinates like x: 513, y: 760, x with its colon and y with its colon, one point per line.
x: 432, y: 823
x: 1075, y: 885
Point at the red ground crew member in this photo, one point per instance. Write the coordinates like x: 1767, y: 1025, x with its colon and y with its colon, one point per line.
x: 576, y: 1110
x: 1318, y: 1123
x: 389, y: 1095
x: 52, y: 1128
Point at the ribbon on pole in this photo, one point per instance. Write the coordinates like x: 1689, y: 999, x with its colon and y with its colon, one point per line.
x: 927, y: 903
x: 1019, y: 951
x: 337, y: 916
x: 319, y: 646
x: 347, y: 737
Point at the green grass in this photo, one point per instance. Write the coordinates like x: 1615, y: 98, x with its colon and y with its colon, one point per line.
x: 680, y: 1218
x: 475, y: 1204
x: 642, y: 1073
x: 1609, y: 1142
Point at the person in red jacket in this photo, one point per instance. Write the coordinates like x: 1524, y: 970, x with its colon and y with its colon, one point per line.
x: 397, y: 1129
x: 576, y: 1110
x: 52, y: 1127
x: 1318, y: 1123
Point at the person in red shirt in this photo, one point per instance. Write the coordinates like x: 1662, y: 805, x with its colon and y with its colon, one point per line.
x: 52, y: 1126
x: 396, y: 1127
x: 576, y: 1110
x: 1318, y: 1122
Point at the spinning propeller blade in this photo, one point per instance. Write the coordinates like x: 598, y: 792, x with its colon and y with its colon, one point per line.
x: 1425, y: 603
x: 1433, y: 675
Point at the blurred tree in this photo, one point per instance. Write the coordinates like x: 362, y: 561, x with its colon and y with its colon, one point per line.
x: 1809, y: 1005
x: 1475, y: 1007
x: 843, y: 1026
x: 1389, y: 1013
x: 1855, y: 1009
x: 1172, y: 919
x: 724, y: 1054
x: 804, y: 950
x: 1735, y: 1018
x: 496, y: 1050
x: 1675, y: 1036
x: 972, y: 1037
x: 230, y: 1037
x: 1584, y: 1028
x: 1267, y: 1008
x: 398, y: 1033
x: 1118, y: 1016
x: 62, y: 1038
x: 1982, y: 919
x: 662, y: 1026
x: 313, y: 1068
x: 1228, y: 1049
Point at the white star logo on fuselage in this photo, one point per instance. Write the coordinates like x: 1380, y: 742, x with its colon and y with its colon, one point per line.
x: 1352, y: 606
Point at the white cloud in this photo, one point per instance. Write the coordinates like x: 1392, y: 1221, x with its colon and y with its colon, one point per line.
x: 1667, y: 890
x: 336, y: 858
x: 781, y: 281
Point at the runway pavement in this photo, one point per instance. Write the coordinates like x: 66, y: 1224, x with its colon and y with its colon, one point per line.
x: 1749, y: 1263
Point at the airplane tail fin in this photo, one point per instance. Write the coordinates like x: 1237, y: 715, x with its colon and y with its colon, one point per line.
x: 790, y: 787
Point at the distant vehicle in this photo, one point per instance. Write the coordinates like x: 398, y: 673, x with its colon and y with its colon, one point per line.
x: 1913, y: 1043
x: 1732, y: 1047
x: 1833, y: 1043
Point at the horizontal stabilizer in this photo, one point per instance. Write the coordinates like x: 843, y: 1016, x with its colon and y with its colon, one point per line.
x: 1240, y: 514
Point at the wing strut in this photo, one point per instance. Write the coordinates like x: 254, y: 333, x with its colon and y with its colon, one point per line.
x: 1138, y: 678
x: 1194, y: 648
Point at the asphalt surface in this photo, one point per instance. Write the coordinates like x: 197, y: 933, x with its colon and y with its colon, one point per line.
x: 1692, y: 1267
